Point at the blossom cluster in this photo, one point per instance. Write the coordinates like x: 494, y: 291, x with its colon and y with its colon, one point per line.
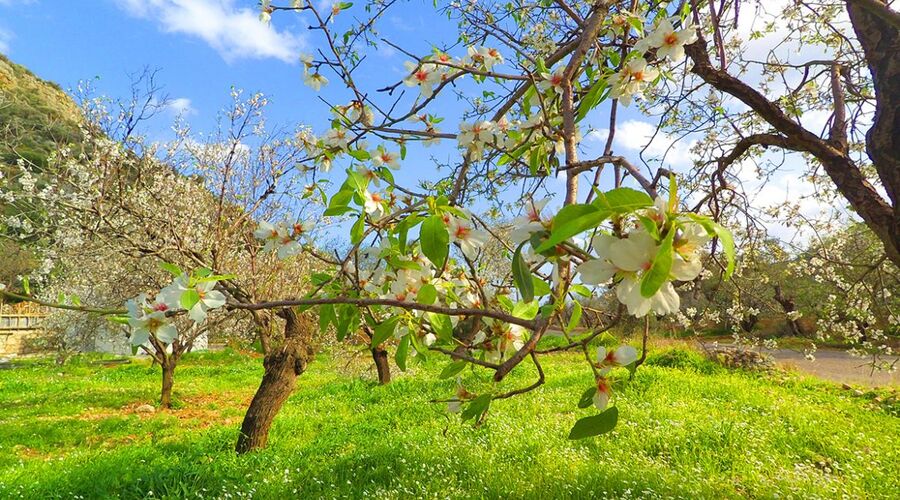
x: 637, y: 73
x: 196, y: 295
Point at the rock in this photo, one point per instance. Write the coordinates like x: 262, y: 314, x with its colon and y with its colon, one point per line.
x: 741, y: 358
x: 846, y: 387
x: 145, y: 409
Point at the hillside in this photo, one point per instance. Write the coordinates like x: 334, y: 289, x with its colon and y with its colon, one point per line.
x: 35, y: 115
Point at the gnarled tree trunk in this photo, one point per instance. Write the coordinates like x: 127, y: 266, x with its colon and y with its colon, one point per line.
x: 283, y: 364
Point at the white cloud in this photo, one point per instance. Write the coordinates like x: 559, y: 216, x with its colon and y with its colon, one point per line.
x: 659, y: 149
x: 6, y: 36
x: 181, y: 106
x: 233, y: 32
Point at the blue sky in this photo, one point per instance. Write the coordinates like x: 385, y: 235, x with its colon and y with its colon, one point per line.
x: 204, y: 47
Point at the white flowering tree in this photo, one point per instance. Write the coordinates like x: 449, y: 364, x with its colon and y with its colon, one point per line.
x: 508, y: 100
x: 117, y: 217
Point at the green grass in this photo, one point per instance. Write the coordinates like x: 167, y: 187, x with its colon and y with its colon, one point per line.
x: 687, y: 429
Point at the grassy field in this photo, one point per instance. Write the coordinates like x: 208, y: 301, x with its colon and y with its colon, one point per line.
x: 687, y: 429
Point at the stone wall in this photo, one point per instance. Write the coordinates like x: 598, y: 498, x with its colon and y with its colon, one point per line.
x: 17, y: 342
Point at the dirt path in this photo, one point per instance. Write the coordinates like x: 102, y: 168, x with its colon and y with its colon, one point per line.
x: 835, y: 365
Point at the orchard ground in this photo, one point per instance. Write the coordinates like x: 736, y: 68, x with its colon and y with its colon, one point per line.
x: 687, y: 428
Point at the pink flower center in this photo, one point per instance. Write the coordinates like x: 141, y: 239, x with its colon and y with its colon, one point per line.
x: 602, y: 386
x: 462, y: 232
x: 671, y: 39
x: 421, y: 75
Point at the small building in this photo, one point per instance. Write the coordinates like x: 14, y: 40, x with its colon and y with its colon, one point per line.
x: 20, y: 330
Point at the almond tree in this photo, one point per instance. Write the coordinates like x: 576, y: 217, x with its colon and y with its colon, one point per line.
x: 118, y: 217
x: 522, y: 80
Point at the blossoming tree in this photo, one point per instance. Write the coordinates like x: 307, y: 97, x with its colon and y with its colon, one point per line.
x: 522, y: 82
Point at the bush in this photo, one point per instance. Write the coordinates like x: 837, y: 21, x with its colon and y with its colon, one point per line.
x: 682, y: 358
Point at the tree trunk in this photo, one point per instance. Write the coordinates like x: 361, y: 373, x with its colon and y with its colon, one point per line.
x: 789, y: 306
x: 380, y: 355
x: 283, y: 365
x: 168, y: 381
x: 881, y: 54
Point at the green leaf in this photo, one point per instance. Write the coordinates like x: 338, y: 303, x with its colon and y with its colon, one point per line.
x: 581, y: 290
x: 398, y: 263
x: 203, y: 272
x: 452, y: 369
x: 347, y: 320
x: 673, y: 193
x: 319, y: 279
x: 435, y: 240
x: 358, y: 229
x: 477, y: 407
x: 595, y: 425
x: 662, y: 265
x: 592, y: 99
x: 547, y: 310
x: 587, y: 399
x: 171, y: 269
x: 541, y: 287
x: 727, y: 246
x: 384, y: 330
x: 522, y: 275
x: 623, y: 200
x: 190, y: 298
x: 576, y: 316
x: 724, y: 235
x: 441, y: 325
x: 340, y: 201
x: 360, y: 154
x: 326, y: 317
x: 427, y: 294
x: 403, y: 230
x: 525, y: 310
x: 572, y: 220
x: 402, y: 353
x: 650, y: 225
x: 122, y: 320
